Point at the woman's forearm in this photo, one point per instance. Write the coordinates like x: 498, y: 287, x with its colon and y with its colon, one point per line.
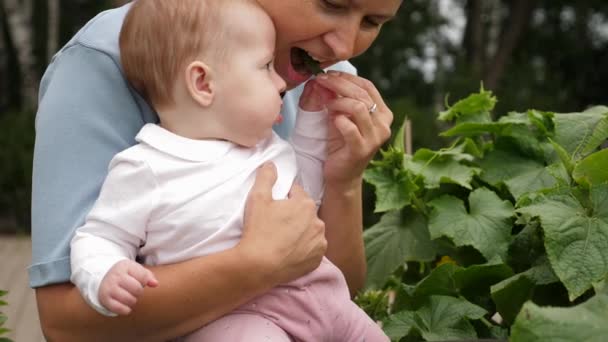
x: 341, y: 211
x: 216, y: 285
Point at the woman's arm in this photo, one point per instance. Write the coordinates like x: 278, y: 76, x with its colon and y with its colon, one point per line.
x: 342, y: 213
x: 197, y: 291
x: 190, y: 294
x: 355, y: 135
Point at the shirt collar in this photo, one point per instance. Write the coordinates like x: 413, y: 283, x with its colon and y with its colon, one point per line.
x: 175, y: 145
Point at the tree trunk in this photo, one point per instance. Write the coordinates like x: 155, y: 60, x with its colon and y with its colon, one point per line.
x: 474, y: 36
x: 519, y: 19
x: 54, y: 15
x: 3, y: 65
x: 19, y: 19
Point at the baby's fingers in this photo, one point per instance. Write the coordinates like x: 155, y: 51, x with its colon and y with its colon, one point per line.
x: 144, y: 276
x: 117, y: 306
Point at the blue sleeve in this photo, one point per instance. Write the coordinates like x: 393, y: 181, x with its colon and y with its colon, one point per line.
x: 86, y: 115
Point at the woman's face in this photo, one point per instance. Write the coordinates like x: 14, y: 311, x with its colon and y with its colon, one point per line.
x: 328, y: 30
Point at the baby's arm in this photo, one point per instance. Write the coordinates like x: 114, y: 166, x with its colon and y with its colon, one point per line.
x: 103, y: 249
x: 309, y: 139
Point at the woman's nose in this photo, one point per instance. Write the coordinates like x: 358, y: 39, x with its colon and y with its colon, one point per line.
x: 342, y: 41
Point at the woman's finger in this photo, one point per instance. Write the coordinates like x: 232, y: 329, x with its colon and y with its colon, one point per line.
x: 345, y: 87
x: 350, y: 133
x: 383, y: 114
x: 265, y: 178
x: 356, y: 111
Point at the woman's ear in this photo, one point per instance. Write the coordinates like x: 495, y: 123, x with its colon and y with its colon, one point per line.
x: 199, y: 83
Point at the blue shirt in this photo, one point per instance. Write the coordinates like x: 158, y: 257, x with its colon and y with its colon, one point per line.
x: 87, y: 113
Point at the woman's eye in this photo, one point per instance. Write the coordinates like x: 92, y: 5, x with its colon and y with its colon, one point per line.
x: 371, y: 23
x: 332, y: 5
x: 269, y: 65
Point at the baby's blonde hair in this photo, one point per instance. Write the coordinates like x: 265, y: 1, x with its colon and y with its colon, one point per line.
x: 159, y: 38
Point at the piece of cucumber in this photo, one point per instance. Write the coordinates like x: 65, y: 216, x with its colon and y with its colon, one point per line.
x: 312, y: 65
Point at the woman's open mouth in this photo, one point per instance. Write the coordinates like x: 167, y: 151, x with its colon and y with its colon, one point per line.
x: 301, y: 67
x: 303, y: 63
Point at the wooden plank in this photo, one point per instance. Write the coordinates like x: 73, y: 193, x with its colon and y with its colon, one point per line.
x: 7, y: 257
x: 22, y: 311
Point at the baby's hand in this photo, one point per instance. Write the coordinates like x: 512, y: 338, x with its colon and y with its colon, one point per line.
x: 315, y: 97
x: 123, y: 283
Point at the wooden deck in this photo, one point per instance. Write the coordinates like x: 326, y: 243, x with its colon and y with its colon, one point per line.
x: 15, y: 257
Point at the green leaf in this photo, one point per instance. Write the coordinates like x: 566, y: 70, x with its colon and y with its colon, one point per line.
x: 455, y: 153
x: 585, y: 322
x: 440, y: 281
x: 441, y: 167
x: 527, y: 143
x: 519, y: 174
x: 473, y: 129
x: 582, y: 133
x: 398, y: 237
x: 486, y: 227
x: 393, y: 185
x: 440, y: 318
x: 601, y: 287
x: 476, y: 106
x: 592, y: 170
x: 563, y: 156
x: 477, y: 279
x: 576, y: 236
x: 471, y: 147
x: 399, y: 140
x: 511, y: 294
x: 399, y: 325
x: 452, y: 280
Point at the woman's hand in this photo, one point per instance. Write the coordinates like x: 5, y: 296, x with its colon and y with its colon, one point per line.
x: 356, y: 134
x: 286, y: 237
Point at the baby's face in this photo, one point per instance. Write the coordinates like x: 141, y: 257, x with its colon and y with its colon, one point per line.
x: 248, y: 89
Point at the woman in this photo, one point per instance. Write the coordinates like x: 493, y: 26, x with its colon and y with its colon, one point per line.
x: 88, y: 113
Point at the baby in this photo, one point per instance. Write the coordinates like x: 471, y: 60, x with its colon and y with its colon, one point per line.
x: 207, y: 69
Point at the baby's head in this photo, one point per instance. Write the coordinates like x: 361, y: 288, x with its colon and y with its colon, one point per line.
x: 205, y: 66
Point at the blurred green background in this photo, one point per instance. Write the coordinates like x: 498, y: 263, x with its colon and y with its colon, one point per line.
x: 539, y: 54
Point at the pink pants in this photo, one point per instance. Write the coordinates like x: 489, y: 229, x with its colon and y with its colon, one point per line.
x: 313, y: 308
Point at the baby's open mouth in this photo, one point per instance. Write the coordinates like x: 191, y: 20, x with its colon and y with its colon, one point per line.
x: 303, y: 63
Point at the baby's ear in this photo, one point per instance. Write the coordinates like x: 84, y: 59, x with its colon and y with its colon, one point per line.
x: 199, y: 84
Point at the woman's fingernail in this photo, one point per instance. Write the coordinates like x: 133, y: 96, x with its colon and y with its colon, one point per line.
x: 322, y: 76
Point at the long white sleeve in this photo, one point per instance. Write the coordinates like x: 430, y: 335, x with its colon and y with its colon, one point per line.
x: 115, y: 227
x: 309, y: 140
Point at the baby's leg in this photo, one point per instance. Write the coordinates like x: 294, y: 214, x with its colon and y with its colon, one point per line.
x: 239, y: 327
x: 357, y: 326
